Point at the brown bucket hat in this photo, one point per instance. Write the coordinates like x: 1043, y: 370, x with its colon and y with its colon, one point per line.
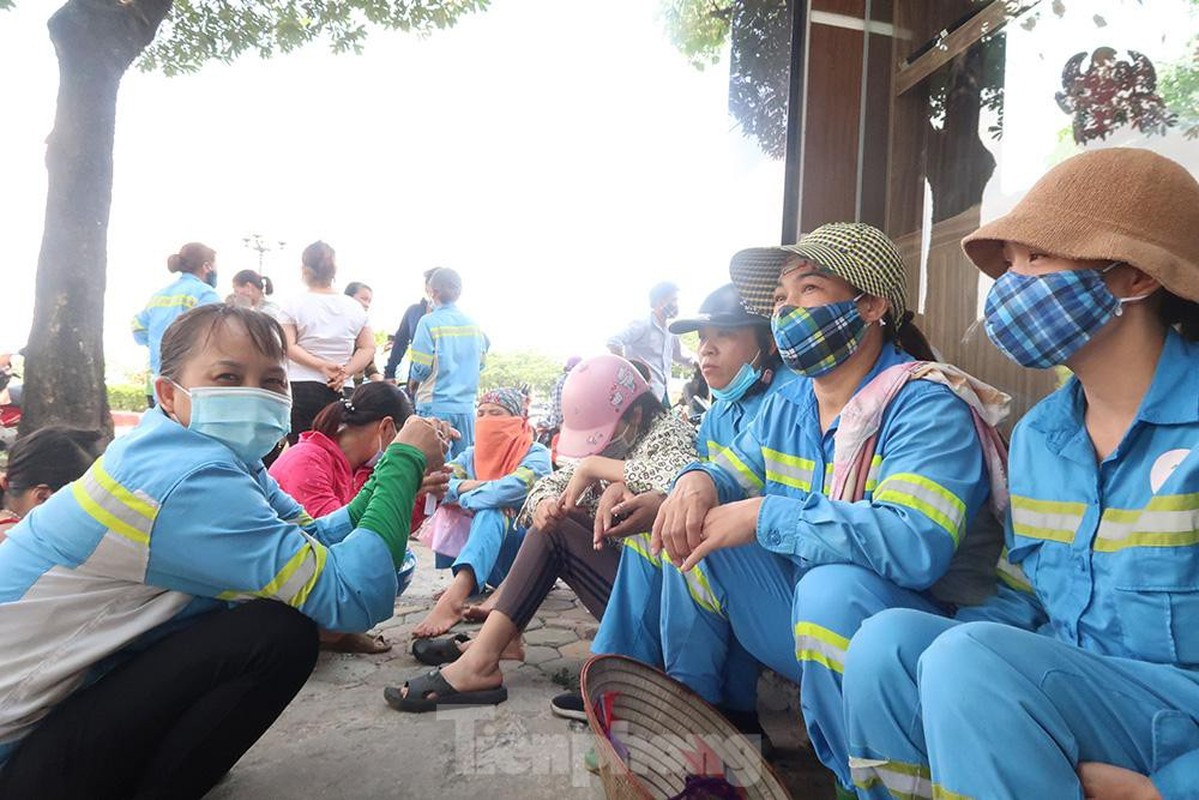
x: 1120, y: 204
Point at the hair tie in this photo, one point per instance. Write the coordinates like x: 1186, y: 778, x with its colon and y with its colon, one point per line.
x: 348, y: 405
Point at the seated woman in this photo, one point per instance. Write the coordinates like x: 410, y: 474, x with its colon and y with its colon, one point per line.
x: 785, y: 555
x: 490, y: 480
x: 620, y: 432
x: 330, y: 464
x: 1079, y: 678
x: 161, y: 612
x: 40, y: 464
x: 739, y: 361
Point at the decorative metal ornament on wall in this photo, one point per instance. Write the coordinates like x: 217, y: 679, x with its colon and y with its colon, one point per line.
x: 1111, y: 93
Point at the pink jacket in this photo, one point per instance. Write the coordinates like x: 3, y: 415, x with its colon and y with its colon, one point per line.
x: 317, y: 474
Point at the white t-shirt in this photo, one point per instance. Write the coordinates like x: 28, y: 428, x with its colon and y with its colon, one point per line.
x: 327, y: 325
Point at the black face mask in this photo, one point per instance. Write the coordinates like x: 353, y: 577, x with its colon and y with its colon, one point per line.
x: 671, y: 311
x: 210, y: 279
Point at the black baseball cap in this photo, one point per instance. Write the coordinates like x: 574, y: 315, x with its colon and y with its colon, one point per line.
x: 722, y: 309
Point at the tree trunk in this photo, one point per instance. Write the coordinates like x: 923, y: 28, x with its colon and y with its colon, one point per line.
x: 96, y: 41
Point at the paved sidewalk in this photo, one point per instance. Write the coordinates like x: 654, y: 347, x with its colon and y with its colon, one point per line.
x: 339, y: 739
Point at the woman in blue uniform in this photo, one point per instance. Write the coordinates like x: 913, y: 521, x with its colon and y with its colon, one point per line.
x: 1080, y: 677
x: 157, y: 614
x: 770, y: 557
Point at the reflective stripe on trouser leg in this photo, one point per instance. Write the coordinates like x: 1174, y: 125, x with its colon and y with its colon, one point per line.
x: 831, y: 603
x: 482, y: 549
x: 887, y: 753
x: 753, y: 589
x: 631, y: 625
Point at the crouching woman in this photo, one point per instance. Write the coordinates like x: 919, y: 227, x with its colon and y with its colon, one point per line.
x: 160, y: 612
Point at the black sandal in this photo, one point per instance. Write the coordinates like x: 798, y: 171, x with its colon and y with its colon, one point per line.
x: 420, y: 689
x: 436, y: 652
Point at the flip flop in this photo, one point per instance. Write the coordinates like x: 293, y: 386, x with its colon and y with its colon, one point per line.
x: 358, y: 643
x: 436, y: 652
x: 421, y: 687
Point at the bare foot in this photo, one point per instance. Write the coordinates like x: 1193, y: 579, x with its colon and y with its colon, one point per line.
x: 478, y: 613
x: 445, y: 615
x: 514, y: 651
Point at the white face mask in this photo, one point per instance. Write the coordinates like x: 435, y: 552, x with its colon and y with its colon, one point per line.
x: 247, y: 420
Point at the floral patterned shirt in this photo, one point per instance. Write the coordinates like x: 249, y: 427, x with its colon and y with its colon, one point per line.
x: 654, y: 461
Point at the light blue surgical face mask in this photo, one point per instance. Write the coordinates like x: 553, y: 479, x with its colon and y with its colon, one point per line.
x: 247, y: 420
x: 746, y: 377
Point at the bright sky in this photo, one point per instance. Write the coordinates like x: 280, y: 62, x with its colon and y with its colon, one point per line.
x: 560, y: 154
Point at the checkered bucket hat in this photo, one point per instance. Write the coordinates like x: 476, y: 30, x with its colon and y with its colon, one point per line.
x: 860, y: 254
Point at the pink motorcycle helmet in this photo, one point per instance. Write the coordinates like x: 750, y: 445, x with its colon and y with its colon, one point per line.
x: 596, y: 394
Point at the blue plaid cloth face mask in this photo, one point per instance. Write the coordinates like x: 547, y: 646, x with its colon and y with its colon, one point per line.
x: 1041, y: 320
x: 812, y: 341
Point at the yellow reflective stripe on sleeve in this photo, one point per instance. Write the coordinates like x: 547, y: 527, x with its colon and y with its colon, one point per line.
x: 828, y: 479
x: 1047, y: 520
x: 788, y: 470
x: 727, y: 460
x: 1166, y: 521
x: 172, y: 301
x: 814, y: 643
x: 303, y: 520
x: 902, y: 781
x: 137, y: 325
x: 876, y: 465
x: 526, y: 475
x: 639, y: 544
x: 424, y: 359
x: 928, y: 497
x: 1012, y: 574
x: 295, y: 580
x: 123, y: 512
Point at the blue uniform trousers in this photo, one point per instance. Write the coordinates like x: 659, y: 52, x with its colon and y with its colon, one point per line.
x: 491, y: 548
x: 831, y: 602
x: 632, y: 619
x: 980, y: 709
x: 702, y: 623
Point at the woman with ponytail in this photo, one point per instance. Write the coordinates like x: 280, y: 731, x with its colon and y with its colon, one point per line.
x: 196, y: 265
x: 329, y: 464
x: 252, y: 289
x: 854, y: 490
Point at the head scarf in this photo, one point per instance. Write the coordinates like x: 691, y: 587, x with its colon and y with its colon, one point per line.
x: 501, y: 443
x: 512, y: 400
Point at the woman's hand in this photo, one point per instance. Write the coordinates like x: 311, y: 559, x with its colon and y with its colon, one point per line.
x: 1108, y: 782
x: 332, y: 372
x: 614, y: 495
x: 681, y: 517
x: 467, y: 485
x: 638, y: 512
x: 548, y: 514
x: 435, y: 482
x: 581, y: 480
x: 430, y: 436
x: 730, y: 525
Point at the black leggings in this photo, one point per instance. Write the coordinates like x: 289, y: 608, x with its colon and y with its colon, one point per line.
x: 566, y: 553
x: 173, y: 719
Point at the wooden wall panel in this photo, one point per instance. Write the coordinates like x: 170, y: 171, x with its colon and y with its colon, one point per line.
x: 853, y: 8
x: 831, y: 126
